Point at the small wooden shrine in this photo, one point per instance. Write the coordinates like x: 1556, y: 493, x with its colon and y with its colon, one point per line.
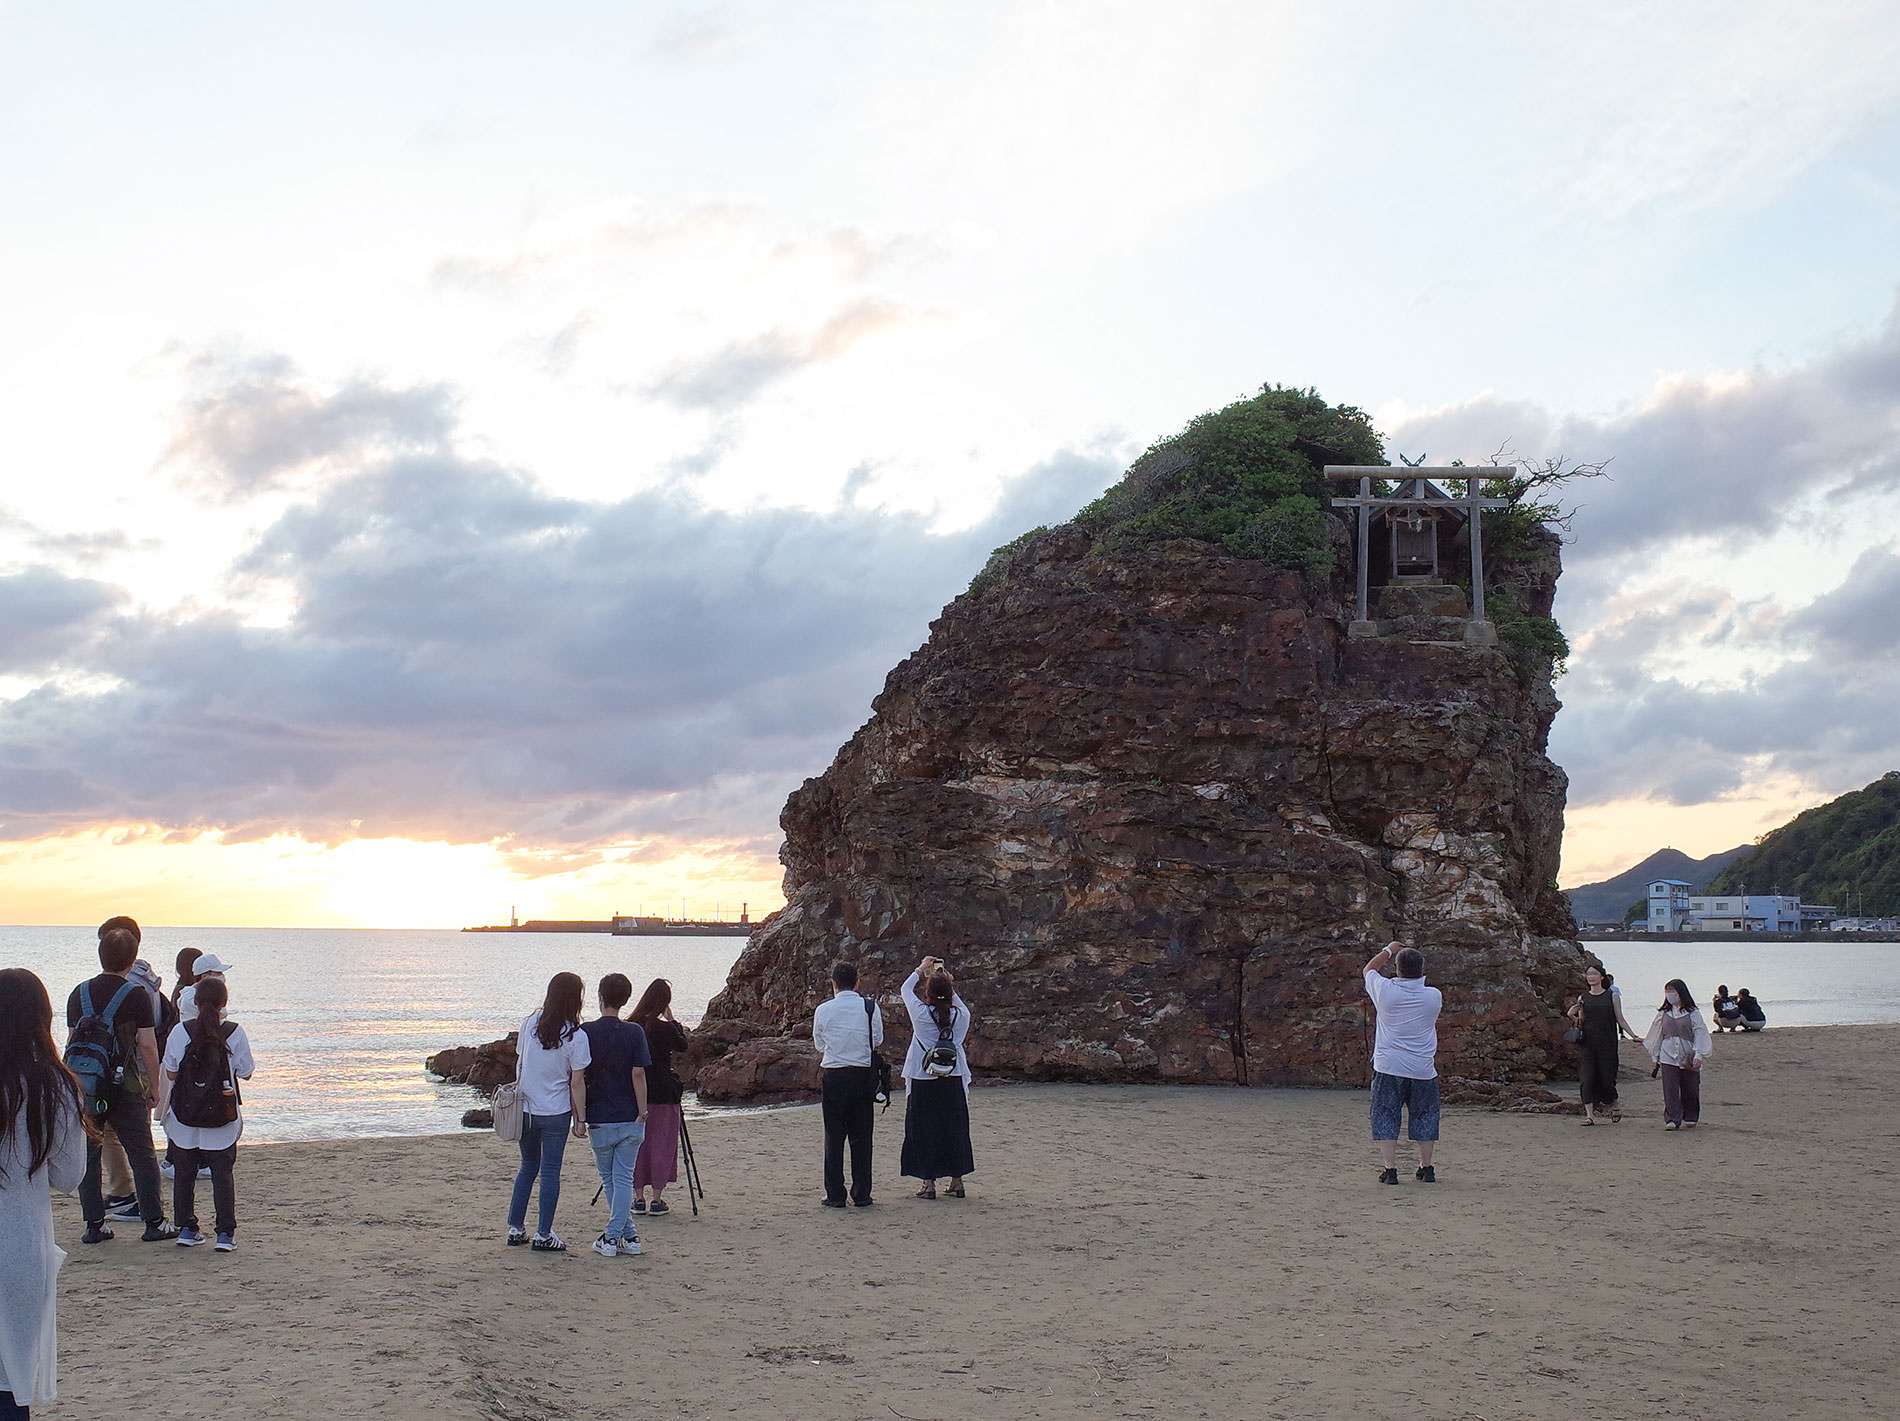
x: 1418, y: 514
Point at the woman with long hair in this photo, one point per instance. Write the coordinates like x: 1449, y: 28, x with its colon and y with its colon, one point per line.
x: 205, y: 1058
x: 1599, y: 1015
x: 553, y: 1056
x: 185, y: 968
x: 657, y: 1164
x: 1678, y: 1042
x: 936, y: 1081
x: 43, y: 1148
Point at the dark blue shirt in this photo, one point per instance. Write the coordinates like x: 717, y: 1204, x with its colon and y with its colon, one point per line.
x: 618, y: 1047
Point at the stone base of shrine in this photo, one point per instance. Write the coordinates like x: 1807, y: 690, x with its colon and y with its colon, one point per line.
x: 1481, y: 634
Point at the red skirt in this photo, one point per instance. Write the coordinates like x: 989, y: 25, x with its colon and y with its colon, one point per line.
x: 658, y: 1160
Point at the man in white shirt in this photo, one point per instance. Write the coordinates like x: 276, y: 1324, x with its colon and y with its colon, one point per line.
x: 847, y: 1030
x: 1404, y: 1074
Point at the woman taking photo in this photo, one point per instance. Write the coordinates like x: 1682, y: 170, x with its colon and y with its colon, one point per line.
x: 1599, y: 1015
x: 936, y: 1081
x: 43, y: 1148
x: 657, y: 1164
x: 1678, y: 1042
x: 205, y: 1057
x: 554, y: 1055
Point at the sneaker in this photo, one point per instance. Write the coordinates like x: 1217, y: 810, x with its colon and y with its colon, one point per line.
x: 630, y: 1245
x: 1388, y: 1176
x: 548, y: 1243
x: 165, y: 1170
x: 125, y: 1213
x: 159, y: 1232
x: 96, y: 1233
x: 1671, y: 1125
x: 639, y: 1206
x: 189, y: 1238
x: 864, y: 1203
x: 116, y: 1202
x: 656, y: 1208
x: 517, y: 1237
x: 1426, y: 1175
x: 227, y: 1243
x: 828, y: 1203
x: 605, y: 1246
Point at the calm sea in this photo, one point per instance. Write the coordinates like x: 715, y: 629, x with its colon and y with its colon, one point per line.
x: 342, y: 1019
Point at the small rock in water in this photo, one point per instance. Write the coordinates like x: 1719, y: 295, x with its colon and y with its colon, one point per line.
x: 479, y: 1118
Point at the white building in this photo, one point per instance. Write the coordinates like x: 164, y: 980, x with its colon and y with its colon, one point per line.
x: 1671, y: 907
x: 1668, y: 906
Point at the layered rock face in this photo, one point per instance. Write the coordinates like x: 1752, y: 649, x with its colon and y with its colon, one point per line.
x: 1155, y: 808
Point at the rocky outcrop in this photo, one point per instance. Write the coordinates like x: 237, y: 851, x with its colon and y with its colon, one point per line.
x: 484, y: 1067
x: 1155, y: 808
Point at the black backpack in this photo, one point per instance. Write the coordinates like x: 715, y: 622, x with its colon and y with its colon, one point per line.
x: 205, y: 1095
x: 92, y: 1048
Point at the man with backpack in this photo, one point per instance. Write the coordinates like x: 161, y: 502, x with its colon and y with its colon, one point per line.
x: 112, y: 1047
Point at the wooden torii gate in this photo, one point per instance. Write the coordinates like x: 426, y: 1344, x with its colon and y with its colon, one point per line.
x: 1478, y: 631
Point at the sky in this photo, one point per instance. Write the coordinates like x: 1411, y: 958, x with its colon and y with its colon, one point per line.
x: 460, y: 458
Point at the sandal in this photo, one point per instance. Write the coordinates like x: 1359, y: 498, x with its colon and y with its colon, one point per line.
x: 955, y: 1191
x: 929, y: 1191
x: 1616, y: 1117
x: 1587, y: 1120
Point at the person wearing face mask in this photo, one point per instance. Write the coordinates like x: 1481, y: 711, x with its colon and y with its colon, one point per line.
x: 1678, y: 1042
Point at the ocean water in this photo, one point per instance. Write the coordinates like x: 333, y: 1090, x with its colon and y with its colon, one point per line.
x: 342, y: 1019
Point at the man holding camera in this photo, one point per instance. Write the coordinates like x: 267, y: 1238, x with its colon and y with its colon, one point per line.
x: 1404, y: 1072
x: 847, y: 1030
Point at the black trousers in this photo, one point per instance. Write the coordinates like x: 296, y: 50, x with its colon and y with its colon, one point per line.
x: 185, y: 1165
x: 131, y: 1121
x: 850, y: 1114
x: 1596, y: 1072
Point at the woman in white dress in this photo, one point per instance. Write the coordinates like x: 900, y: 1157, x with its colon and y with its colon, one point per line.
x: 43, y: 1149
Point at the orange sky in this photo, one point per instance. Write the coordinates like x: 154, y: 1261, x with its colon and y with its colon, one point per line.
x: 368, y: 883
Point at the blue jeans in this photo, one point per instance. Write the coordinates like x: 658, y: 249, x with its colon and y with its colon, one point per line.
x: 616, y: 1146
x: 543, y: 1143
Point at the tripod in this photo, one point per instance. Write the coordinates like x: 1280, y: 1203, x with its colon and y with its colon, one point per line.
x: 695, y: 1191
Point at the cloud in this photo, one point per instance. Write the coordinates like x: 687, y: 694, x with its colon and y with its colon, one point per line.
x: 259, y: 425
x: 1704, y: 455
x: 739, y: 372
x: 47, y: 617
x: 471, y: 658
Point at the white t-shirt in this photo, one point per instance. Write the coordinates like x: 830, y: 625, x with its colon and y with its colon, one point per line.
x: 544, y: 1073
x: 216, y: 1137
x: 1406, y: 1039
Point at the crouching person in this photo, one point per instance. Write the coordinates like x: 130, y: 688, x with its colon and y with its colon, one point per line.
x: 1404, y: 1068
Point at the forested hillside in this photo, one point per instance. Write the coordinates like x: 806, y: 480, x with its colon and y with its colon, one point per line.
x: 1845, y: 852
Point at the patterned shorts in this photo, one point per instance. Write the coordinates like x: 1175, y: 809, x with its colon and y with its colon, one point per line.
x: 1419, y: 1098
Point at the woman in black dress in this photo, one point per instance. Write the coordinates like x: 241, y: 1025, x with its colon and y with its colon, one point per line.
x: 936, y: 1081
x: 1598, y: 1013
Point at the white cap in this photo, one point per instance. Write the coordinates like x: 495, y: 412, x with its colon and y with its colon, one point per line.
x: 209, y: 962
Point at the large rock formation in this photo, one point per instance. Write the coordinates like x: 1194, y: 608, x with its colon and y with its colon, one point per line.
x: 1155, y: 807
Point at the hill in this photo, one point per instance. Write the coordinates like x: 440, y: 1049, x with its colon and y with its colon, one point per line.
x: 1609, y: 900
x: 1848, y: 846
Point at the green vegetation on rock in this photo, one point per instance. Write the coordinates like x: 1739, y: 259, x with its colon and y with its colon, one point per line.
x: 1246, y: 477
x: 1845, y: 851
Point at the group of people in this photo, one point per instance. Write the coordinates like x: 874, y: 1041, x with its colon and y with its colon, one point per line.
x: 1678, y: 1042
x: 1737, y: 1013
x: 847, y: 1031
x: 609, y: 1081
x: 82, y: 1118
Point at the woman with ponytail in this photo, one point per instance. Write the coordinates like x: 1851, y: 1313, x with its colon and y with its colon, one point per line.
x: 205, y: 1058
x: 936, y: 1081
x: 553, y: 1054
x: 43, y: 1134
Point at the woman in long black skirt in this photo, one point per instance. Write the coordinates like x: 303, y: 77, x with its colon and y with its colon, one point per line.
x: 1598, y: 1013
x: 936, y: 1081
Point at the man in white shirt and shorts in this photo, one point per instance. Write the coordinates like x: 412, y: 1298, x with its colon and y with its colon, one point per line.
x: 1404, y: 1073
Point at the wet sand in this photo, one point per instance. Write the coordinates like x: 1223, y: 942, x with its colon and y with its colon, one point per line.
x: 1125, y: 1252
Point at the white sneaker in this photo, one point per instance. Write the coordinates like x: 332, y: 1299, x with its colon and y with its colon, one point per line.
x: 165, y: 1170
x: 605, y: 1247
x: 630, y: 1244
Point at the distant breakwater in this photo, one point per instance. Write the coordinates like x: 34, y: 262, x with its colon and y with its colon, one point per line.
x: 620, y: 928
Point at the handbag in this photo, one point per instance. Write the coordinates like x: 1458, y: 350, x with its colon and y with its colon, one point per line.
x: 880, y: 1068
x: 1574, y: 1036
x: 510, y: 1104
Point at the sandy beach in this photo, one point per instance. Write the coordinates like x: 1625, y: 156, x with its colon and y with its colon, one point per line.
x: 1125, y: 1252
